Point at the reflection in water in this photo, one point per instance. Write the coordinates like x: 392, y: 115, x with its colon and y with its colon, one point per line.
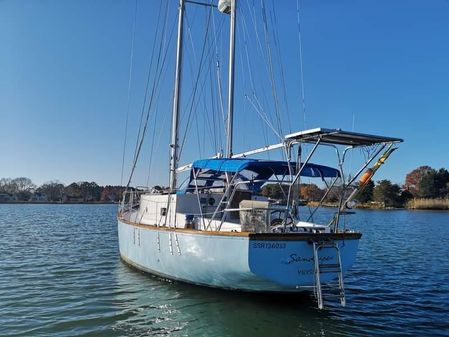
x: 163, y: 307
x: 60, y: 275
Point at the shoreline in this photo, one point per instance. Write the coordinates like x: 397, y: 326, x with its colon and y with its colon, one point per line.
x: 311, y: 204
x: 379, y: 206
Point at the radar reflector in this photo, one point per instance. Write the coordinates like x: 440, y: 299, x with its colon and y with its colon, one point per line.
x: 224, y: 6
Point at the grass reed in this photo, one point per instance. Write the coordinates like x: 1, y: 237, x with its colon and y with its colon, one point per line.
x: 436, y: 204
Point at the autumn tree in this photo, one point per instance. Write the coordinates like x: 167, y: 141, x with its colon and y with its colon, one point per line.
x: 311, y: 192
x: 274, y: 191
x: 413, y: 179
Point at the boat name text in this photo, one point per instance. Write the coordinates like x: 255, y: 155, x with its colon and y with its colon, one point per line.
x: 294, y: 258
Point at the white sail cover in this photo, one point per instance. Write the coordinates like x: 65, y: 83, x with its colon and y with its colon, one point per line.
x: 224, y: 6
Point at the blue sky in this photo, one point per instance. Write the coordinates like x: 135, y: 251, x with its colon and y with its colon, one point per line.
x: 372, y: 66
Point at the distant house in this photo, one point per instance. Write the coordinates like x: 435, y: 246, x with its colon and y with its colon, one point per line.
x: 6, y: 197
x: 39, y: 197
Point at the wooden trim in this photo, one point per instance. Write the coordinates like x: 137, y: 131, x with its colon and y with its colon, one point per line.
x: 255, y: 236
x: 183, y: 230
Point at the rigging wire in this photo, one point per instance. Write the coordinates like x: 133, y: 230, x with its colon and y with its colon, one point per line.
x: 256, y: 32
x: 211, y: 127
x: 303, y: 101
x: 129, y: 90
x: 196, y: 97
x: 277, y: 48
x: 193, y: 59
x: 193, y: 105
x: 250, y: 75
x: 158, y: 142
x: 240, y: 40
x: 263, y: 52
x: 151, y: 148
x: 207, y: 77
x: 153, y: 51
x: 263, y: 115
x: 219, y: 87
x: 248, y: 60
x: 270, y: 58
x: 160, y: 65
x: 271, y: 67
x: 248, y: 63
x: 164, y: 45
x: 210, y: 119
x: 155, y: 115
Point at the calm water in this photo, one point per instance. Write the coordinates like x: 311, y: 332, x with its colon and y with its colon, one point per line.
x: 60, y: 275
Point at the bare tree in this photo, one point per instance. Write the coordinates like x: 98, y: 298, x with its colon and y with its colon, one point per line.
x: 53, y: 189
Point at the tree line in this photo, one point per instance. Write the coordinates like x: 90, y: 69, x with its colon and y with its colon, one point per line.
x: 23, y: 189
x: 423, y: 182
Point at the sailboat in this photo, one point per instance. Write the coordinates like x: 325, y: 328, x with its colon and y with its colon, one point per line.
x: 220, y: 231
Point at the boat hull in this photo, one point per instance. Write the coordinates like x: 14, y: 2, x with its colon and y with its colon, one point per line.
x: 239, y: 261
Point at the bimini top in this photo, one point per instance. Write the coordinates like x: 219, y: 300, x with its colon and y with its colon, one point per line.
x: 263, y: 168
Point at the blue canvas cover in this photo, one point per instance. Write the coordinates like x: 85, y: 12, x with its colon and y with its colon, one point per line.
x: 263, y: 168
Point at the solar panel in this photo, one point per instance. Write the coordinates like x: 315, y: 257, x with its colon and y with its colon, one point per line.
x: 340, y: 137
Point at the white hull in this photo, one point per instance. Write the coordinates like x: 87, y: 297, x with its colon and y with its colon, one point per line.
x: 240, y: 261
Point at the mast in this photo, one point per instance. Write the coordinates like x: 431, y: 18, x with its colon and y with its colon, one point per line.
x: 176, y: 96
x: 231, y: 80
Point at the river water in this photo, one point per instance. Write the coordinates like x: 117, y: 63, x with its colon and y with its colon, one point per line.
x: 61, y: 275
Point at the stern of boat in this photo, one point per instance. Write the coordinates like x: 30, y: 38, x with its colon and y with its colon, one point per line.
x: 289, y: 259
